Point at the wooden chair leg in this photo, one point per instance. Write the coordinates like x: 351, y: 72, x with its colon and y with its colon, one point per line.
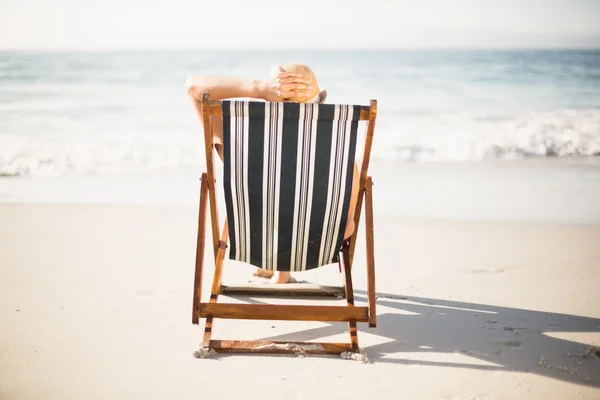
x: 216, y: 286
x: 197, y: 298
x: 364, y: 170
x: 352, y: 328
x: 207, y: 331
x: 371, y: 294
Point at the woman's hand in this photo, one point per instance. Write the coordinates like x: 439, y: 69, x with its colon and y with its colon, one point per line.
x: 284, y: 86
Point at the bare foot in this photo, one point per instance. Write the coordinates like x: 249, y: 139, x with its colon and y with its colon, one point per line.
x: 282, y: 277
x: 263, y: 273
x: 276, y: 277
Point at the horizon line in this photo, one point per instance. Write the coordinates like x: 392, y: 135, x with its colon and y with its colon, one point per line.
x: 313, y: 49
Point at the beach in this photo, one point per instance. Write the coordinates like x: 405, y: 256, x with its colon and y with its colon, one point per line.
x: 95, y: 298
x: 487, y: 228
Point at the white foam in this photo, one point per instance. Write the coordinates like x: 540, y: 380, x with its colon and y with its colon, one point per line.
x: 163, y: 143
x: 56, y: 155
x: 467, y: 136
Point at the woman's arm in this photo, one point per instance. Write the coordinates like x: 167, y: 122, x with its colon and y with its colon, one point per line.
x: 273, y: 88
x: 221, y: 88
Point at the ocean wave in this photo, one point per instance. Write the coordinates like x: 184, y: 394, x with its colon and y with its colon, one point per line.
x: 56, y: 155
x: 468, y: 136
x: 431, y: 137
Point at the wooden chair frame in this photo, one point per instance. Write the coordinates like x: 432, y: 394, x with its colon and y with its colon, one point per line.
x: 211, y: 309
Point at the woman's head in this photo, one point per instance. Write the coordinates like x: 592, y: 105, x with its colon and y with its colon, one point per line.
x: 314, y: 95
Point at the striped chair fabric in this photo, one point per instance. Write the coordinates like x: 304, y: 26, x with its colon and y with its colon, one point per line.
x: 287, y: 180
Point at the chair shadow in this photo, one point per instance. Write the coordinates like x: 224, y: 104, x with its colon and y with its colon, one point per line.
x: 494, y: 338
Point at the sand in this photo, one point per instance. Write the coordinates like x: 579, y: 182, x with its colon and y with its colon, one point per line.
x: 95, y: 303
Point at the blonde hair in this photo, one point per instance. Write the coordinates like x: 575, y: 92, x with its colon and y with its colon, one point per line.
x: 313, y: 94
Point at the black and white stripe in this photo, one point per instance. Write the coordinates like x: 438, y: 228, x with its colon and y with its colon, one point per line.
x: 271, y: 178
x: 287, y: 180
x: 338, y: 168
x: 305, y: 172
x: 239, y: 186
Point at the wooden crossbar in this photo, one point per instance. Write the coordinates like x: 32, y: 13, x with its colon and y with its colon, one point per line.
x: 276, y: 347
x: 287, y: 290
x: 284, y: 312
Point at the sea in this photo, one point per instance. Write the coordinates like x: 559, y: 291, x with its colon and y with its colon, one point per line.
x: 100, y: 126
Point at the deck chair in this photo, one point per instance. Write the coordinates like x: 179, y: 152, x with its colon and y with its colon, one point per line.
x: 287, y: 179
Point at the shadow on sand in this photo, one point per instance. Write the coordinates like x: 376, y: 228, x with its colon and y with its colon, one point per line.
x: 496, y: 338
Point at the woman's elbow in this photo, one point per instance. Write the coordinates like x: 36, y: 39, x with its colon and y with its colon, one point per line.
x: 190, y: 87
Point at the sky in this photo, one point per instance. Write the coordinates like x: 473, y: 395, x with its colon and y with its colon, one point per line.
x: 268, y: 24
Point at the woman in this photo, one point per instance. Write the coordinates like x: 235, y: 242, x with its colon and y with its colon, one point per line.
x: 291, y: 82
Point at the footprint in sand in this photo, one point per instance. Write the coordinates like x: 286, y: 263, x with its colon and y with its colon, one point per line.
x: 510, y: 343
x: 486, y: 353
x: 557, y: 326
